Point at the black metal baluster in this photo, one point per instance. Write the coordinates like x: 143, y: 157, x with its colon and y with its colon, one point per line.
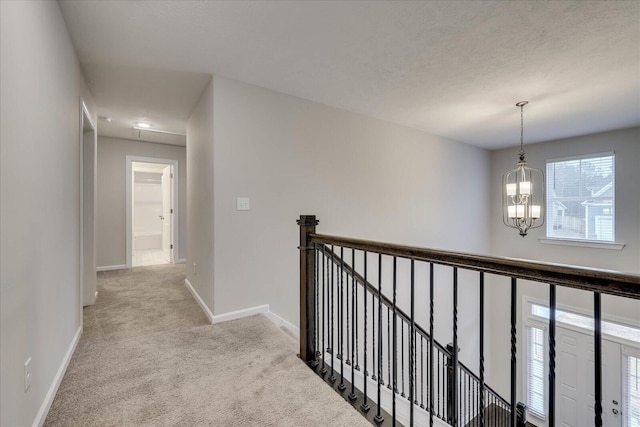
x: 378, y: 418
x: 412, y: 346
x: 469, y: 406
x: 454, y: 351
x: 459, y: 392
x: 365, y: 404
x: 415, y: 369
x: 352, y: 395
x: 597, y: 348
x: 332, y: 377
x: 323, y: 371
x: 395, y: 344
x: 514, y: 305
x: 438, y: 382
x: 373, y: 337
x: 552, y: 355
x: 462, y: 405
x: 348, y: 361
x: 316, y: 338
x: 341, y: 386
x: 481, y: 349
x: 474, y: 402
x: 422, y: 372
x: 354, y: 294
x: 431, y: 377
x: 388, y: 348
x: 402, y: 355
x: 497, y: 419
x: 461, y: 401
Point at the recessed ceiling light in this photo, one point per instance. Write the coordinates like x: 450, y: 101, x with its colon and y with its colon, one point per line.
x: 143, y: 125
x: 105, y: 118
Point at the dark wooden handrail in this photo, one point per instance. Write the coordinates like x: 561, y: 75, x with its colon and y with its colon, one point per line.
x: 607, y: 282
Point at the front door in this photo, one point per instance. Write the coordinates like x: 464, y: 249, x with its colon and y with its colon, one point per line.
x: 575, y: 382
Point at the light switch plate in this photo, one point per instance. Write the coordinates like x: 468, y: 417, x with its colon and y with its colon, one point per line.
x: 243, y: 204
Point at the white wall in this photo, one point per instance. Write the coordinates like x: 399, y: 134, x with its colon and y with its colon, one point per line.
x: 507, y: 242
x: 40, y: 311
x: 362, y: 177
x: 111, y: 221
x: 200, y: 197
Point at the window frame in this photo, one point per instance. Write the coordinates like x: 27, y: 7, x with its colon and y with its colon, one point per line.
x: 576, y: 241
x: 627, y: 352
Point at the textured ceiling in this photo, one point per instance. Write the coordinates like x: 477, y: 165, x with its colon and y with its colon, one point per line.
x: 451, y: 68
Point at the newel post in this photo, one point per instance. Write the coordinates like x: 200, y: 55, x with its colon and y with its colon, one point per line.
x: 307, y: 225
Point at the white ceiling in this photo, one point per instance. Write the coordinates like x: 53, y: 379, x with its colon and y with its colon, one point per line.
x: 451, y: 68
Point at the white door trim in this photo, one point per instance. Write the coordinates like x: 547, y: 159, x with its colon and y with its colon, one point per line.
x: 129, y: 194
x: 86, y: 115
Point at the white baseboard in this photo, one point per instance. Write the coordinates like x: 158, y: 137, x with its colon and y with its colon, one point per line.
x: 280, y: 322
x: 239, y: 314
x: 203, y: 306
x: 53, y: 389
x: 181, y: 261
x: 112, y: 267
x: 246, y: 312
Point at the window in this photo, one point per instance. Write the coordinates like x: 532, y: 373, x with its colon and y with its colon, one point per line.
x: 535, y: 371
x: 632, y: 391
x: 581, y: 198
x: 586, y: 322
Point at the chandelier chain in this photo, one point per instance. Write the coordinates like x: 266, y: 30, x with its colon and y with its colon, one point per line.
x: 522, y: 129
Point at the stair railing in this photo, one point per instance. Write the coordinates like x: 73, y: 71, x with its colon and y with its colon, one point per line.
x: 377, y: 340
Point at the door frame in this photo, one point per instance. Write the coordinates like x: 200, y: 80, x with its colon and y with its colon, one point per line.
x: 85, y: 118
x: 175, y: 230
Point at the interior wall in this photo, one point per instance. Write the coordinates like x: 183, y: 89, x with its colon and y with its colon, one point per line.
x: 111, y: 222
x: 200, y: 197
x: 362, y: 177
x: 40, y: 298
x: 507, y: 242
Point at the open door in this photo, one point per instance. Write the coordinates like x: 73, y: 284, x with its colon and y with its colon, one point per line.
x: 167, y: 213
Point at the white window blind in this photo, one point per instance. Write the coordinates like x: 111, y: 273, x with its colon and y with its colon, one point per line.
x: 535, y: 372
x: 581, y: 198
x: 632, y: 391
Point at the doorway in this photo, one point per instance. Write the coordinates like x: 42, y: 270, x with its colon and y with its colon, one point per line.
x: 152, y: 191
x: 88, y: 197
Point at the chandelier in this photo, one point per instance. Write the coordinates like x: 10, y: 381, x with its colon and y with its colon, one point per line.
x: 522, y: 191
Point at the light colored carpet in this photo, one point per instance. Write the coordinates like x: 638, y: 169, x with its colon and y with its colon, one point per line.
x: 148, y: 357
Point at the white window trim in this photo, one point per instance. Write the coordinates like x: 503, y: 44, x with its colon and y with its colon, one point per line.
x: 581, y: 156
x: 616, y: 246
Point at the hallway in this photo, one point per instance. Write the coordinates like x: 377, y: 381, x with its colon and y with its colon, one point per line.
x: 148, y: 356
